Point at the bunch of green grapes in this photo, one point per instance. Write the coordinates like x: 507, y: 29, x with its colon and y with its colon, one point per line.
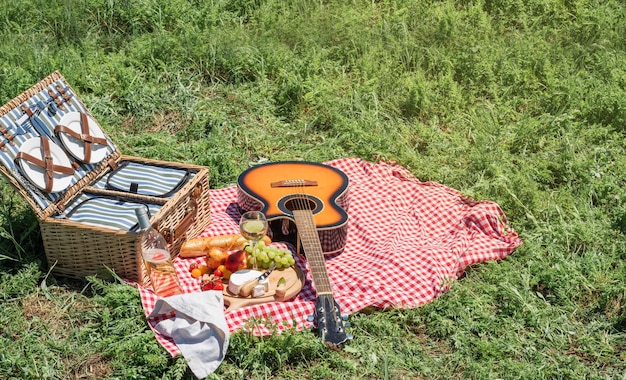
x: 265, y: 255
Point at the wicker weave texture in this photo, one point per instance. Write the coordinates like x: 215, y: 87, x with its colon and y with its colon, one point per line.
x: 77, y: 250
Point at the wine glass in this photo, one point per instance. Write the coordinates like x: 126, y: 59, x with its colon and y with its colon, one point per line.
x: 253, y: 227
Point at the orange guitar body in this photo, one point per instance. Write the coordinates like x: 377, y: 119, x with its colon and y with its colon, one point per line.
x: 276, y: 188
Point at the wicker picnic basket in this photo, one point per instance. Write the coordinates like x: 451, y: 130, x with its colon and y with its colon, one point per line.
x: 86, y: 222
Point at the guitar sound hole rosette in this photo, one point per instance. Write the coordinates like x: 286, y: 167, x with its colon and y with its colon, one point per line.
x: 300, y: 202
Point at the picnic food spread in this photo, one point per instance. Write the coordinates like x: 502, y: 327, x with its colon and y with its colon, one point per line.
x: 227, y: 268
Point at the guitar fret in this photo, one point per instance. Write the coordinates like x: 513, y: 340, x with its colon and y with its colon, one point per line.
x: 313, y: 250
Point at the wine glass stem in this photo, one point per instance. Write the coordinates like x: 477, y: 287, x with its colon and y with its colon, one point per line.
x: 255, y: 265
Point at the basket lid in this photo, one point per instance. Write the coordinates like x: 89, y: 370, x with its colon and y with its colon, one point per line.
x: 50, y: 145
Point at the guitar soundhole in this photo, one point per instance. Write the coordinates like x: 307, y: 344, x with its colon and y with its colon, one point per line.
x: 300, y: 202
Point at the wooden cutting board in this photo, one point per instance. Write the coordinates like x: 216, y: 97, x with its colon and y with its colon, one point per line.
x: 295, y: 281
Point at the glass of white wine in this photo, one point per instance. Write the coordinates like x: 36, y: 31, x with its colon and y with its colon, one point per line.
x: 253, y: 226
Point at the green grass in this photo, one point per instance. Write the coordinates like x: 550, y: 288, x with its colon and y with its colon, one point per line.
x: 519, y: 102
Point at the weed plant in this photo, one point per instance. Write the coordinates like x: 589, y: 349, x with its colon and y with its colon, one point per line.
x: 519, y: 102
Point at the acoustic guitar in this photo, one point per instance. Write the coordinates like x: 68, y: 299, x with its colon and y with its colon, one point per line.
x: 307, y: 200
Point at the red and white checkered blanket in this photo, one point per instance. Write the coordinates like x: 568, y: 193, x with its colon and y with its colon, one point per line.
x: 406, y: 241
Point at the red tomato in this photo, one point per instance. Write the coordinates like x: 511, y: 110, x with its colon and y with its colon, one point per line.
x: 218, y: 273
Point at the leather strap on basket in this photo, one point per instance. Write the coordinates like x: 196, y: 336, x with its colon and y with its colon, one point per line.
x: 27, y: 110
x: 83, y: 136
x: 63, y: 93
x: 7, y: 135
x: 57, y: 100
x: 8, y: 138
x: 46, y: 163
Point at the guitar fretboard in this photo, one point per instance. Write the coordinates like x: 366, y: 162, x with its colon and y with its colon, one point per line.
x: 313, y: 250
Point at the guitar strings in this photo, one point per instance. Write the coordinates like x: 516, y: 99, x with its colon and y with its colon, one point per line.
x: 303, y: 203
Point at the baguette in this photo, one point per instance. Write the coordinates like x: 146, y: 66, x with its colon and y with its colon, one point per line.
x: 201, y: 246
x: 227, y: 242
x: 193, y: 248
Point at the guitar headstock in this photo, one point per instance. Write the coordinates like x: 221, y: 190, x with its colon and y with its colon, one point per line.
x: 330, y: 322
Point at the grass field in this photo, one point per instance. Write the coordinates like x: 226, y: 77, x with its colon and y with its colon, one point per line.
x: 518, y: 102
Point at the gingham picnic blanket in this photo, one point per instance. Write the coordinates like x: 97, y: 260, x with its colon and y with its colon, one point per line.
x: 406, y: 241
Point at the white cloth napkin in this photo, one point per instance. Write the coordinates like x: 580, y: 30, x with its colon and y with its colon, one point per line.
x: 199, y: 328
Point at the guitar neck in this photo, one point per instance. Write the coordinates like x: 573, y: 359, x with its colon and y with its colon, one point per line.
x: 313, y: 250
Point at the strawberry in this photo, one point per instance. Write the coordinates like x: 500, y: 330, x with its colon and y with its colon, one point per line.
x: 218, y: 285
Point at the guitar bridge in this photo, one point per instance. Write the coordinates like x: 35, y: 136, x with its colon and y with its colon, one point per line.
x: 293, y: 183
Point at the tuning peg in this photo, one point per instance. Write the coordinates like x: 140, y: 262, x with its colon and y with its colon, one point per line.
x: 344, y: 317
x: 310, y: 318
x: 349, y: 336
x: 346, y: 324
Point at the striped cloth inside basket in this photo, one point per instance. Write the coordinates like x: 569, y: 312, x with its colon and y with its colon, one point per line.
x: 108, y: 212
x: 145, y: 179
x: 131, y: 177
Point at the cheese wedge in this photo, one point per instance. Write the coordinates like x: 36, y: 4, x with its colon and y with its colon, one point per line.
x: 258, y: 290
